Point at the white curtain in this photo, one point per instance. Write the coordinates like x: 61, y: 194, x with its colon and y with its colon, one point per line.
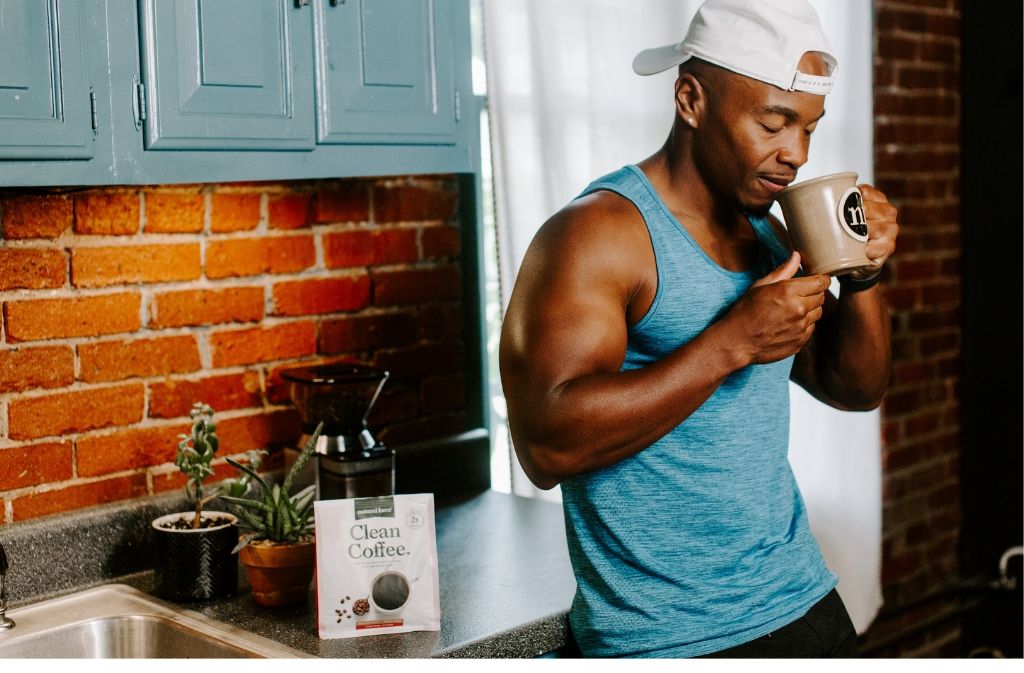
x: 566, y: 108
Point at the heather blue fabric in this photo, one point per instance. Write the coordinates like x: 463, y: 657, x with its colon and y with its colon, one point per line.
x: 699, y: 542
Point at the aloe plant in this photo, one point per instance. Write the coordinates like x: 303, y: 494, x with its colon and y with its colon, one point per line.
x: 239, y: 486
x: 272, y: 512
x: 195, y: 452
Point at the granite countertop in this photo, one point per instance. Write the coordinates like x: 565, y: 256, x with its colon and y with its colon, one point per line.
x: 505, y: 584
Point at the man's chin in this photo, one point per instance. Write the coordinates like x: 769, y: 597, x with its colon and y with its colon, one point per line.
x: 758, y: 208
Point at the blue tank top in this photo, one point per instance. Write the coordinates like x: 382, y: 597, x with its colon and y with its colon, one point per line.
x: 699, y: 542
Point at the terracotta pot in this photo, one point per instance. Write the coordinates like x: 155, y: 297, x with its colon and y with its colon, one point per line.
x: 279, y: 575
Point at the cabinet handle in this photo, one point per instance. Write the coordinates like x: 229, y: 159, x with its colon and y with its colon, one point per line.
x: 335, y: 3
x: 299, y: 4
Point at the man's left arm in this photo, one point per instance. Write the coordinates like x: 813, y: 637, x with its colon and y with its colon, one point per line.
x: 846, y: 362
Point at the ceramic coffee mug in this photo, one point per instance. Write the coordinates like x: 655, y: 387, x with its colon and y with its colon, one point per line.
x: 826, y: 223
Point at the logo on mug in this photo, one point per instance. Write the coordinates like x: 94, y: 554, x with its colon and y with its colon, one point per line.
x: 851, y: 214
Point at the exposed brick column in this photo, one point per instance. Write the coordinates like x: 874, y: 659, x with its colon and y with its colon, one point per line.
x: 917, y: 157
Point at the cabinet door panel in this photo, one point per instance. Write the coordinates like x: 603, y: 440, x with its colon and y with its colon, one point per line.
x: 228, y: 74
x: 385, y: 72
x: 44, y: 98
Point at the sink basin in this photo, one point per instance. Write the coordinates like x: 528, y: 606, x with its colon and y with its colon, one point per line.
x: 118, y: 621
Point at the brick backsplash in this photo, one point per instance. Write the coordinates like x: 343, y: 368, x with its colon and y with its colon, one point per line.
x: 917, y: 159
x: 123, y: 306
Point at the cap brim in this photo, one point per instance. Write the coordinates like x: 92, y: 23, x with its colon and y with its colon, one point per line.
x: 652, y: 61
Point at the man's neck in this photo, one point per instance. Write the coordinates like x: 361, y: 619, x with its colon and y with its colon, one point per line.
x: 686, y: 191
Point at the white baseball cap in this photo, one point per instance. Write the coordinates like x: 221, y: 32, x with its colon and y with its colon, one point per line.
x: 761, y: 39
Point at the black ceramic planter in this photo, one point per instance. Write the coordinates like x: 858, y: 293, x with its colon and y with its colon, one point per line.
x: 195, y: 565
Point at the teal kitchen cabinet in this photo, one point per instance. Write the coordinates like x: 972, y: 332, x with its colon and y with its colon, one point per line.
x: 47, y: 100
x: 172, y: 91
x: 227, y: 74
x: 384, y: 72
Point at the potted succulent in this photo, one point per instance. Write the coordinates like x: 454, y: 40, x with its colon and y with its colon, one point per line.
x: 277, y: 547
x: 193, y: 550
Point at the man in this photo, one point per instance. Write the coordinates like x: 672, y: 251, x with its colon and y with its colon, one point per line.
x: 648, y: 345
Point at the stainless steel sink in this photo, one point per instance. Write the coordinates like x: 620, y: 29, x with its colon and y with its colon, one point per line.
x: 117, y: 621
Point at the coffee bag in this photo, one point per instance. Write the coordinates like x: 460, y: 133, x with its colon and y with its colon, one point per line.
x: 376, y: 566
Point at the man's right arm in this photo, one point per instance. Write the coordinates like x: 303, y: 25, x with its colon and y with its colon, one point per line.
x: 571, y: 409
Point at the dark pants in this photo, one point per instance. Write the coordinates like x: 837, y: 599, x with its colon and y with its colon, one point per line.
x: 825, y: 631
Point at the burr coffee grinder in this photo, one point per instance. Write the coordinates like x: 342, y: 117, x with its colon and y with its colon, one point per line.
x: 350, y: 462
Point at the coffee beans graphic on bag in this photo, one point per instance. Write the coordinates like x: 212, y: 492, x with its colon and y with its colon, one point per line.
x: 361, y: 606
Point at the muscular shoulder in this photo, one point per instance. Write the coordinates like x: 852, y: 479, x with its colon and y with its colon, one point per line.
x: 601, y: 205
x: 602, y: 230
x: 569, y: 308
x: 592, y: 259
x: 605, y: 212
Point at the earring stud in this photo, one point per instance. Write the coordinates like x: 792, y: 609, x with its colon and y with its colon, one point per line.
x: 690, y: 121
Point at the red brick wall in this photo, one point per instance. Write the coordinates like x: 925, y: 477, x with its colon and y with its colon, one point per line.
x: 123, y: 306
x: 917, y: 156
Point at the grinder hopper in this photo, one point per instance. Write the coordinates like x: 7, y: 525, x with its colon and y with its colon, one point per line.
x: 350, y: 461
